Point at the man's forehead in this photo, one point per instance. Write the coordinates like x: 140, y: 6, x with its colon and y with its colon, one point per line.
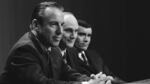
x: 70, y: 21
x: 52, y: 12
x: 70, y: 25
x: 84, y: 29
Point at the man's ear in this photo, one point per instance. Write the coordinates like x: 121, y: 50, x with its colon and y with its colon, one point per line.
x: 34, y: 25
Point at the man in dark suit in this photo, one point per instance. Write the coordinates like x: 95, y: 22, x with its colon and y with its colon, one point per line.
x: 84, y: 60
x: 69, y: 35
x: 34, y: 58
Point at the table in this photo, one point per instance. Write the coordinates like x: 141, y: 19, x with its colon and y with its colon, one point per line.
x: 145, y: 81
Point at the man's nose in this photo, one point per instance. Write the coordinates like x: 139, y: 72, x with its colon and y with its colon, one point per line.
x: 86, y: 39
x: 59, y: 30
x: 73, y: 35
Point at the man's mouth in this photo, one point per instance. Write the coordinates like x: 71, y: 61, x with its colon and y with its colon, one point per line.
x: 71, y: 40
x: 83, y: 44
x: 57, y: 38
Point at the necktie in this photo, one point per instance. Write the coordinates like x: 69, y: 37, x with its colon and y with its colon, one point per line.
x: 84, y: 58
x: 65, y: 58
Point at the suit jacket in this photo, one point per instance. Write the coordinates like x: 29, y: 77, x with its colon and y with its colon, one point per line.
x: 30, y: 62
x: 95, y: 66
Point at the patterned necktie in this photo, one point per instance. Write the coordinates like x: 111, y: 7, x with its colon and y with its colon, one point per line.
x: 84, y: 58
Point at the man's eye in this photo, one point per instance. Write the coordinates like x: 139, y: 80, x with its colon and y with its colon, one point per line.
x: 81, y: 34
x: 76, y: 30
x: 68, y: 30
x: 52, y: 23
x: 89, y: 35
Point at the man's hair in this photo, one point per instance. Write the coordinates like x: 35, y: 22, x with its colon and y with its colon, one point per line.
x: 39, y: 10
x: 68, y: 13
x: 83, y: 23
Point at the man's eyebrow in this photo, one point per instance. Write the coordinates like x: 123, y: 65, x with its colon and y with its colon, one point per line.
x: 54, y: 22
x: 67, y: 29
x: 81, y: 33
x: 89, y: 34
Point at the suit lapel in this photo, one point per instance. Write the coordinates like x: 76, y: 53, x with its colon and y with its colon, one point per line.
x: 56, y: 62
x: 89, y: 58
x: 44, y: 55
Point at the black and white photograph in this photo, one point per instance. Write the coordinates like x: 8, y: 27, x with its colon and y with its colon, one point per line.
x: 74, y: 42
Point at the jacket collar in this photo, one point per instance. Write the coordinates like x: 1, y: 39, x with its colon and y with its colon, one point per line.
x: 38, y: 43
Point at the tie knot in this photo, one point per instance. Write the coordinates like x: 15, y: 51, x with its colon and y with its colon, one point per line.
x: 64, y: 56
x: 49, y: 49
x: 63, y: 52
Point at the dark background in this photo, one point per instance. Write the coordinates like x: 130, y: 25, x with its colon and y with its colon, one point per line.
x: 120, y: 31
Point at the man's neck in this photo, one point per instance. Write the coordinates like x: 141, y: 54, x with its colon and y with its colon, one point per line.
x: 62, y: 47
x: 79, y: 50
x: 41, y: 39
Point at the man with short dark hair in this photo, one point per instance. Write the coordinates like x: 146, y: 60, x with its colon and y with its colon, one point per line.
x: 86, y: 61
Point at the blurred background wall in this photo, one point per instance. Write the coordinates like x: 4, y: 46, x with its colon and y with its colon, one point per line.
x: 120, y: 31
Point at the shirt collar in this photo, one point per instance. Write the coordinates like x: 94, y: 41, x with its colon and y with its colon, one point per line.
x: 63, y: 52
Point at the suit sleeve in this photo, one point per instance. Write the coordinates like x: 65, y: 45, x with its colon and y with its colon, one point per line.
x: 107, y: 71
x: 25, y: 68
x: 73, y: 75
x: 99, y: 63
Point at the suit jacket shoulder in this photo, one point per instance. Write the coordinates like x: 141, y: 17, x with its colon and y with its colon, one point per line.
x: 30, y: 63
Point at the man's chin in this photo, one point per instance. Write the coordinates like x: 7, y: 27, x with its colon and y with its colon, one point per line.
x: 84, y: 48
x: 70, y: 45
x: 55, y: 44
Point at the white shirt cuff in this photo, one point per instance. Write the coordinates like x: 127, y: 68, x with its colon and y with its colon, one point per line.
x: 84, y: 82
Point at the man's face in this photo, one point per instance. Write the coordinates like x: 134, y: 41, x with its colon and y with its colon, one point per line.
x: 70, y: 32
x: 52, y: 25
x: 84, y: 38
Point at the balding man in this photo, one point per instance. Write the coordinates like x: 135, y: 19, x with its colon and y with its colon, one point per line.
x: 70, y: 33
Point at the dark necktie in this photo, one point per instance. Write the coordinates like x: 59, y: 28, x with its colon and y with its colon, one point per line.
x: 65, y: 58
